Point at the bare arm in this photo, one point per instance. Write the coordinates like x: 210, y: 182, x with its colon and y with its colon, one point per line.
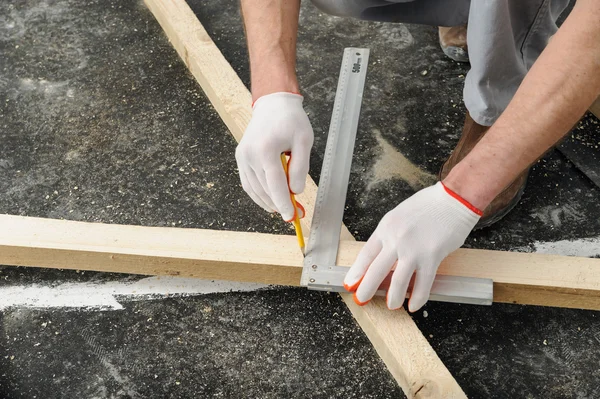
x: 271, y: 29
x: 560, y: 86
x: 279, y: 123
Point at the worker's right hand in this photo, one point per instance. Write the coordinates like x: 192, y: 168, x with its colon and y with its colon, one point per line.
x: 279, y: 124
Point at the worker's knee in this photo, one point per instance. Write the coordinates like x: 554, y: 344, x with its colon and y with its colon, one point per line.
x: 340, y: 8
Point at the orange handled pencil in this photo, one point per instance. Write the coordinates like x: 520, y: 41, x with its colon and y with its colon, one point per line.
x: 296, y: 220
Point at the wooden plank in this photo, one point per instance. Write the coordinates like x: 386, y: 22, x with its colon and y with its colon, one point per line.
x: 523, y: 278
x: 394, y: 336
x: 595, y: 108
x: 530, y: 278
x: 207, y: 254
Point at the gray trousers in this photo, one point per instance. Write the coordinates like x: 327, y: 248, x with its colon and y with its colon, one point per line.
x: 505, y: 37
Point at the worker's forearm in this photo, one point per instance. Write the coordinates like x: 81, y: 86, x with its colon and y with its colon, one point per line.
x: 271, y: 29
x: 560, y: 86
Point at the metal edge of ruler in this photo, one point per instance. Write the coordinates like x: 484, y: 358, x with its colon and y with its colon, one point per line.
x: 456, y: 289
x: 326, y: 224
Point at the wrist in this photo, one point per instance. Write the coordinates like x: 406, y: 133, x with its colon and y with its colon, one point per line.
x: 470, y: 185
x: 266, y: 89
x: 282, y: 98
x: 273, y: 79
x: 463, y: 201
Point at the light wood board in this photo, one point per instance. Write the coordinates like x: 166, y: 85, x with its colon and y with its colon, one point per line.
x: 407, y: 354
x: 524, y: 278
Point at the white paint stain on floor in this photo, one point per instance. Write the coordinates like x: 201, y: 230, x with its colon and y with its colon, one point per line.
x: 555, y: 215
x: 584, y: 247
x: 109, y: 295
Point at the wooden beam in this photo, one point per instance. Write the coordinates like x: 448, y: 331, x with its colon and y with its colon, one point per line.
x: 530, y: 278
x: 407, y: 354
x: 207, y: 254
x: 524, y: 278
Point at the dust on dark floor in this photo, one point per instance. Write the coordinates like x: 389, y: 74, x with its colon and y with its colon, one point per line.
x: 102, y: 122
x: 229, y: 346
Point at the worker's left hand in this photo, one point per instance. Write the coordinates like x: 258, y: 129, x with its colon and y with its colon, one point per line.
x: 415, y: 237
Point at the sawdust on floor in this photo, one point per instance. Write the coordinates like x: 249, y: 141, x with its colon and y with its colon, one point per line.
x: 391, y: 164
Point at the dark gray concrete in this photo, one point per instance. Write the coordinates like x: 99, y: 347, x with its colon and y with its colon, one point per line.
x: 270, y: 344
x: 100, y: 121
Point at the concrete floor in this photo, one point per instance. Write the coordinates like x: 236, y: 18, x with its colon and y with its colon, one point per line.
x: 100, y: 121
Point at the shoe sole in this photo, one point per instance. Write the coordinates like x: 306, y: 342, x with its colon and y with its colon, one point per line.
x: 456, y: 53
x: 504, y: 211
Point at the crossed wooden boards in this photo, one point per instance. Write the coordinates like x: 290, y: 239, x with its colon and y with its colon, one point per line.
x: 518, y: 278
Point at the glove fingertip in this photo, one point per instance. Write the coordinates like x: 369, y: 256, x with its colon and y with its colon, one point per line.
x: 300, y: 210
x: 415, y: 304
x: 358, y: 301
x: 286, y: 209
x: 297, y: 185
x: 298, y: 169
x: 364, y: 293
x: 392, y: 302
x: 351, y: 287
x: 287, y: 217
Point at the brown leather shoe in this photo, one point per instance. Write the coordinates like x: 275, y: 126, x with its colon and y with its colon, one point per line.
x: 454, y: 42
x: 507, y: 199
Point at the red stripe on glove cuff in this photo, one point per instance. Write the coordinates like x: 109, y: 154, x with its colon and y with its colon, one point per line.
x: 463, y: 201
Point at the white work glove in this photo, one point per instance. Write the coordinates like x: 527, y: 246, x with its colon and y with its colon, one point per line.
x: 415, y: 237
x: 279, y: 124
